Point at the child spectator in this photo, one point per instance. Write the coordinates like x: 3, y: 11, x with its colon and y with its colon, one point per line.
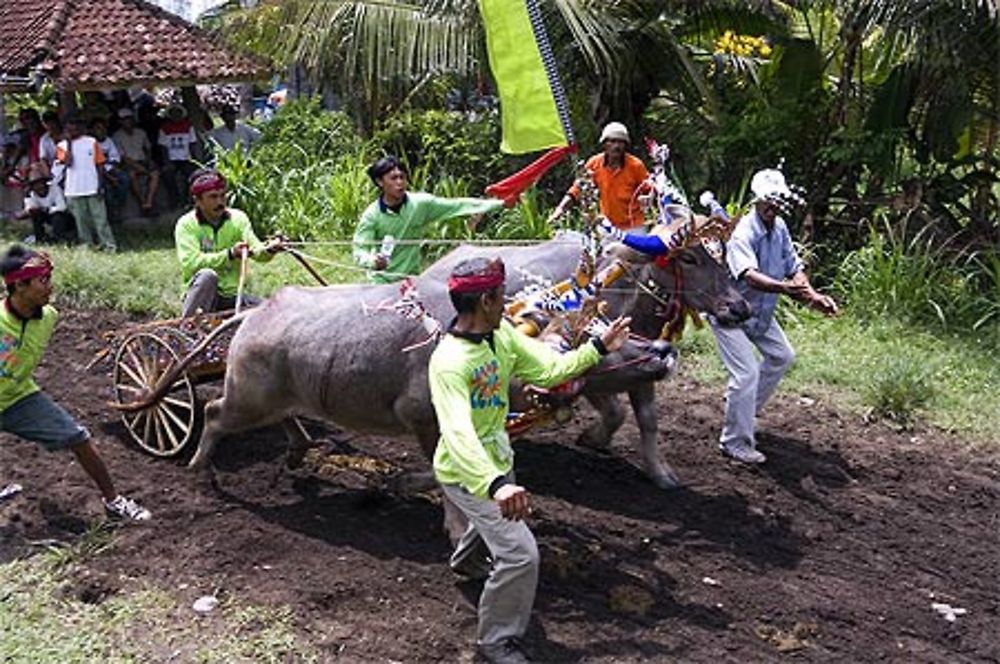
x: 45, y: 205
x: 115, y: 177
x: 137, y: 155
x: 177, y: 136
x: 84, y: 162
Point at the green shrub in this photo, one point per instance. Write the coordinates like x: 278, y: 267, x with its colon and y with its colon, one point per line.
x: 899, y: 385
x: 911, y: 278
x: 446, y: 144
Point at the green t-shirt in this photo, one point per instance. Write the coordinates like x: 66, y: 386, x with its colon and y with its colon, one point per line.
x: 469, y: 388
x: 201, y: 246
x: 22, y: 344
x: 410, y: 223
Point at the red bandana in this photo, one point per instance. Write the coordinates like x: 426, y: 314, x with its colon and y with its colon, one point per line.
x: 481, y: 282
x: 38, y: 265
x: 208, y: 182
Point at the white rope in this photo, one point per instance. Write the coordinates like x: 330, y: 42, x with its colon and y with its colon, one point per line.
x: 431, y: 242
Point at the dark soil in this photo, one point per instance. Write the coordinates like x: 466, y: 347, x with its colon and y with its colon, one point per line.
x: 833, y: 551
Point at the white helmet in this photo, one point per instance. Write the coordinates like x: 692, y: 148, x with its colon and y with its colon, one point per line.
x: 615, y: 131
x: 769, y: 184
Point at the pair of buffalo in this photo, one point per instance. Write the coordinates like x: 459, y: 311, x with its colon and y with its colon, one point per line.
x: 321, y: 353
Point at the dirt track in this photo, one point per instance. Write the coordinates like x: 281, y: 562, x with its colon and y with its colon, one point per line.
x: 832, y: 552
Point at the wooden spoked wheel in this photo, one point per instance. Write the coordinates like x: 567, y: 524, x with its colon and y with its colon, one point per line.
x: 165, y: 427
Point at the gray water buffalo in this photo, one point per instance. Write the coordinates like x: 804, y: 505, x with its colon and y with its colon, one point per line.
x: 648, y: 293
x: 337, y: 354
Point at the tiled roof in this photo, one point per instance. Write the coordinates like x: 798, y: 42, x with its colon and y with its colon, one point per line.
x: 98, y: 44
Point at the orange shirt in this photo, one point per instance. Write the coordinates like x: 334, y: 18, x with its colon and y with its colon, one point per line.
x: 619, y: 189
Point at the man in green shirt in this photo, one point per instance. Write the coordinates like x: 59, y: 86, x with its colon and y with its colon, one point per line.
x: 387, y: 239
x: 469, y: 376
x: 26, y: 324
x: 211, y: 240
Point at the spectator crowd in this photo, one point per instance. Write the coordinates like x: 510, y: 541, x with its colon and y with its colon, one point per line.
x: 76, y: 175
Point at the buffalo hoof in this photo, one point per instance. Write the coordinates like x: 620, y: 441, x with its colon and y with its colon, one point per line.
x: 594, y: 441
x: 666, y: 480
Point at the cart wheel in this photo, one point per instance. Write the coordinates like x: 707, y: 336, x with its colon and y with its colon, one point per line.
x: 165, y: 427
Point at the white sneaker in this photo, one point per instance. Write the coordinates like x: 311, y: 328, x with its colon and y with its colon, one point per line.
x: 126, y: 508
x: 29, y: 240
x: 742, y: 451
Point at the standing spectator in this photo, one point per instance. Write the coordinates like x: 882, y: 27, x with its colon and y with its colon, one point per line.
x: 115, y: 177
x: 137, y: 155
x: 45, y: 205
x: 764, y: 262
x: 398, y: 215
x: 14, y: 171
x: 233, y: 133
x: 13, y: 174
x: 83, y: 160
x: 27, y: 321
x: 177, y: 137
x: 469, y: 375
x: 47, y: 147
x: 31, y: 136
x: 619, y: 177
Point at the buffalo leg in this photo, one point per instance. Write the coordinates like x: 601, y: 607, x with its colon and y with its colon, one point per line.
x: 222, y: 418
x: 643, y: 400
x: 299, y: 442
x: 598, y: 435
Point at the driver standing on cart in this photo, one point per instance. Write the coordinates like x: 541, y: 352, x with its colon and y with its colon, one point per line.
x: 211, y: 240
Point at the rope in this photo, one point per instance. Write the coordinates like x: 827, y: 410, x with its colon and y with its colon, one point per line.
x: 438, y: 242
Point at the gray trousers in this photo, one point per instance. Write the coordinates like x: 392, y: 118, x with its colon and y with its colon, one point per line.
x: 751, y: 381
x: 509, y: 593
x: 203, y: 295
x: 91, y: 217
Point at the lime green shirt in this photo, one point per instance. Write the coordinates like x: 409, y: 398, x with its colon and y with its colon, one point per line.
x: 410, y: 223
x: 469, y: 388
x: 22, y: 344
x: 201, y: 246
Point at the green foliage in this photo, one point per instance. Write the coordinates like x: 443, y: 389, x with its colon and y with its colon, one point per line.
x: 900, y: 385
x: 918, y: 278
x: 446, y: 144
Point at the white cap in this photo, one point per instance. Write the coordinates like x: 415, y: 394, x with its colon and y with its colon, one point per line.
x: 615, y: 131
x: 125, y: 112
x: 769, y: 184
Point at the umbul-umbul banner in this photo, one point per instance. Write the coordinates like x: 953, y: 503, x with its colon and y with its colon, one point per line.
x: 533, y: 106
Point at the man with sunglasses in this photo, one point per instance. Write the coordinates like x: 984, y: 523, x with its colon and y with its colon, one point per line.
x: 27, y: 321
x: 764, y: 262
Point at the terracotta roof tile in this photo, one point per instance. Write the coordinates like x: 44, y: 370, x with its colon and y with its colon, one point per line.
x: 88, y: 44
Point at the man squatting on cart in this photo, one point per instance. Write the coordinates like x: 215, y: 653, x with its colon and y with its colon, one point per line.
x: 469, y: 376
x: 210, y: 242
x: 27, y: 321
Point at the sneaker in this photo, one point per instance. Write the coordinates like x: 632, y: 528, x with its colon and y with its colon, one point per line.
x: 504, y: 652
x: 742, y: 451
x: 29, y: 240
x: 126, y: 508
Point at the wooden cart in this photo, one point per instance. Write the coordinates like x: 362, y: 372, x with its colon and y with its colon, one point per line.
x: 141, y: 354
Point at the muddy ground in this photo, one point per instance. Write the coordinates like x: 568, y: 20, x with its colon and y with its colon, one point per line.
x: 833, y: 551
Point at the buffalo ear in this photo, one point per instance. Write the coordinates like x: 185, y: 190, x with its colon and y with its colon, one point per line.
x: 621, y: 252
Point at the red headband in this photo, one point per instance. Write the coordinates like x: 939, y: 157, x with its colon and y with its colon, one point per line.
x: 481, y: 282
x: 208, y: 182
x: 38, y: 265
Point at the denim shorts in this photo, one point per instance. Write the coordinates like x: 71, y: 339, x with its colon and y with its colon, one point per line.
x: 38, y: 418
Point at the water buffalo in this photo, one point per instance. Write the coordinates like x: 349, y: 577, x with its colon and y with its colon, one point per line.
x: 335, y: 355
x: 645, y: 293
